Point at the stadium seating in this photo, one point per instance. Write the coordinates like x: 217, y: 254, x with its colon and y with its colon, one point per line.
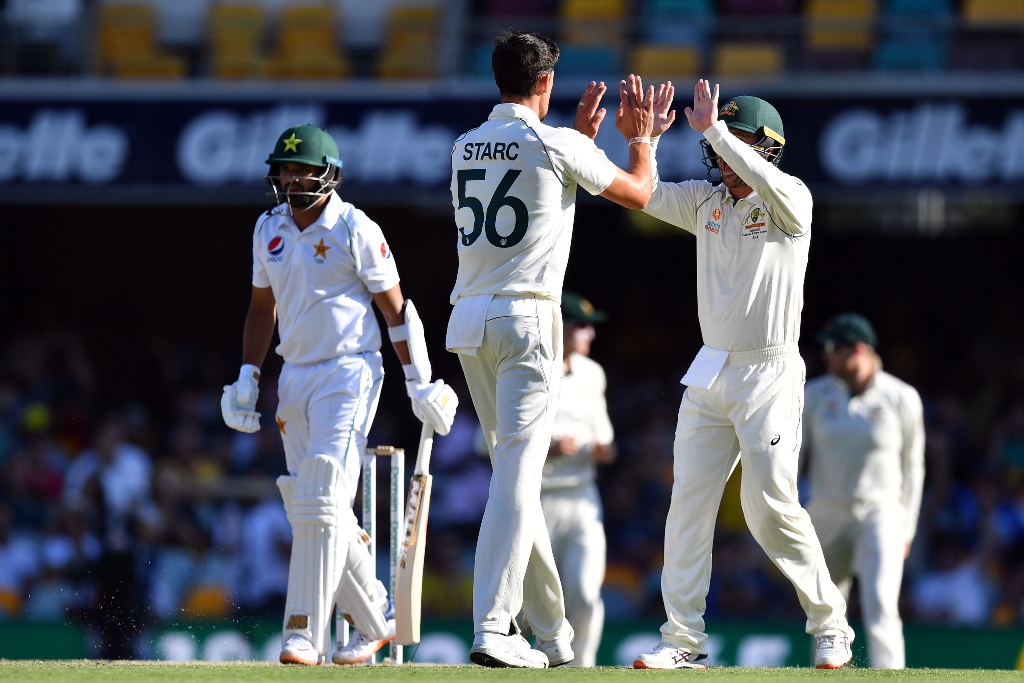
x: 235, y: 33
x: 589, y: 62
x: 597, y: 23
x: 678, y: 22
x: 410, y: 49
x: 747, y: 60
x: 126, y: 44
x: 839, y: 34
x: 307, y: 46
x: 654, y: 61
x: 993, y: 12
x: 914, y: 35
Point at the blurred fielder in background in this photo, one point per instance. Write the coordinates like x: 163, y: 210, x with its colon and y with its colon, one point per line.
x: 745, y: 387
x: 581, y: 440
x: 864, y: 431
x: 514, y: 184
x: 318, y: 264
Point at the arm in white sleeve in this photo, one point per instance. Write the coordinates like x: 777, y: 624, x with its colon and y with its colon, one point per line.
x: 672, y: 202
x: 789, y: 198
x: 912, y: 459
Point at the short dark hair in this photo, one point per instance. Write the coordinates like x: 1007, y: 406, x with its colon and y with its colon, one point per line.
x: 520, y: 59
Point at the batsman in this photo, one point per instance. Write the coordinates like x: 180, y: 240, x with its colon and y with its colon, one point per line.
x: 318, y: 265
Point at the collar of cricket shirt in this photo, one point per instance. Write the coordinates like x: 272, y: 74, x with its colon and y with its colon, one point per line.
x: 515, y: 111
x: 329, y: 216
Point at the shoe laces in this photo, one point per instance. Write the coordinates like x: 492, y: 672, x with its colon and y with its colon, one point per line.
x: 662, y: 646
x: 298, y: 641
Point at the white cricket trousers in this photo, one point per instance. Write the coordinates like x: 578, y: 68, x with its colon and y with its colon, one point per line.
x: 514, y: 380
x: 868, y: 542
x: 575, y: 523
x: 327, y: 408
x: 754, y: 407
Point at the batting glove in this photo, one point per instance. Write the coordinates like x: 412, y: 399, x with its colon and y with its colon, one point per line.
x: 238, y: 404
x: 434, y: 404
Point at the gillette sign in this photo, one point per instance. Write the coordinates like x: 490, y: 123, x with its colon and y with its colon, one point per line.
x: 221, y: 147
x: 926, y: 143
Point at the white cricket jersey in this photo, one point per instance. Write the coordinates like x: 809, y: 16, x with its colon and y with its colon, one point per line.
x: 583, y: 414
x: 514, y: 185
x: 323, y: 279
x: 751, y: 252
x: 866, y: 449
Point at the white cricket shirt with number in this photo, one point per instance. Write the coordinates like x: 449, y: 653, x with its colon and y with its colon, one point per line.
x: 582, y: 414
x: 323, y: 279
x: 751, y: 252
x: 868, y: 449
x: 514, y: 183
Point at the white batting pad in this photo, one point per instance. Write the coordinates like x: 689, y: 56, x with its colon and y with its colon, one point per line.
x: 319, y: 494
x: 361, y: 596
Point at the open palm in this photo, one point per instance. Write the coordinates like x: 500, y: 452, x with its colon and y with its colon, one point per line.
x: 664, y: 115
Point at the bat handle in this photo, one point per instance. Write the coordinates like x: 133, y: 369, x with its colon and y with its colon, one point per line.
x: 426, y: 446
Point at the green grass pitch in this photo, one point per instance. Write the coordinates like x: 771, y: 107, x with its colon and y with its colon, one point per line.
x: 246, y: 672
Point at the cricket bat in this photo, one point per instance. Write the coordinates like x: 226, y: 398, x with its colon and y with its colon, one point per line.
x: 409, y: 576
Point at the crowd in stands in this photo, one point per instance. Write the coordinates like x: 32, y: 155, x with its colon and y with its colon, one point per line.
x: 141, y: 507
x: 430, y: 40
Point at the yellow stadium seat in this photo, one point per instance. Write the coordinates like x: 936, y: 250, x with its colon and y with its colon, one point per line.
x: 410, y: 44
x: 607, y: 9
x: 307, y: 46
x: 993, y: 12
x: 746, y: 60
x: 665, y: 61
x: 235, y: 34
x: 594, y: 22
x: 840, y: 24
x: 126, y: 44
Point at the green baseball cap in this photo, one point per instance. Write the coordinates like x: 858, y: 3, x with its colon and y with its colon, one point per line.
x: 846, y: 329
x: 753, y: 115
x: 578, y: 311
x: 305, y: 145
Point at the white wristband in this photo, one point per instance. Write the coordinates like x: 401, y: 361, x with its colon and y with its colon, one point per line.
x: 640, y: 140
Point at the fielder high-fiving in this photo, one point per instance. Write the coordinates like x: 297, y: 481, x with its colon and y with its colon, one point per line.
x: 745, y: 387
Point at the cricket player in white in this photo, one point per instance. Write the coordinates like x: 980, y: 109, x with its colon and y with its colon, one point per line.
x: 582, y: 438
x: 318, y: 264
x: 745, y: 387
x: 514, y: 183
x: 864, y: 432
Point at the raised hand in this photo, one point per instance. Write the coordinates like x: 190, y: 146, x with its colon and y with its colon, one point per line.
x: 588, y: 116
x: 705, y: 107
x: 664, y: 114
x: 635, y: 117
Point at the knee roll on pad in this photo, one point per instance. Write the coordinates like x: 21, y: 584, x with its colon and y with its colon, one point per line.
x: 361, y: 597
x: 318, y: 492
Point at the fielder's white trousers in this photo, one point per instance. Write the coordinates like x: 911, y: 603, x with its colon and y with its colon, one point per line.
x: 868, y: 543
x: 754, y: 407
x: 514, y: 380
x: 327, y: 408
x: 576, y: 526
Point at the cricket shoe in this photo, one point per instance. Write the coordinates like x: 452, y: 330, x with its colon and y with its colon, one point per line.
x: 559, y: 650
x: 361, y: 647
x: 832, y: 649
x: 497, y: 650
x: 668, y: 656
x: 298, y: 650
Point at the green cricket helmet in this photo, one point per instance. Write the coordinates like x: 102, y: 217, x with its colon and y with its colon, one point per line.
x: 751, y: 115
x: 311, y: 146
